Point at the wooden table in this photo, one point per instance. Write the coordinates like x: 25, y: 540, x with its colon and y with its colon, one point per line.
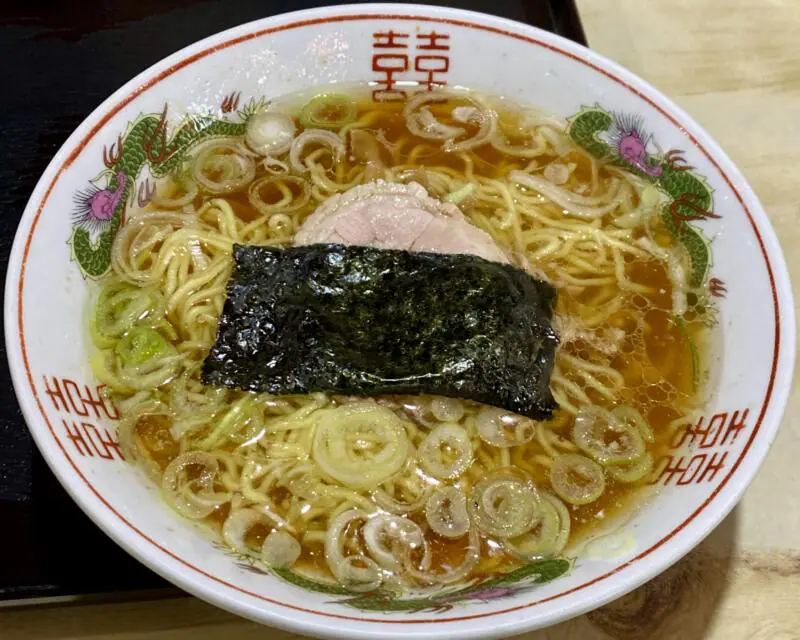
x: 734, y: 65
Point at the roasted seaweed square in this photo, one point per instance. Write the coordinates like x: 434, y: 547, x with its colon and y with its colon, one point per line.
x: 356, y: 320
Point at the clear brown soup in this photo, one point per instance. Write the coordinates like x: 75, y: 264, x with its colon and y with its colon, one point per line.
x: 659, y: 358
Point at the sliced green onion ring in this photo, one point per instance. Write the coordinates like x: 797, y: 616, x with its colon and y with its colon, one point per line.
x: 605, y: 437
x: 360, y: 444
x: 505, y: 505
x: 270, y: 133
x: 141, y: 360
x: 238, y: 523
x: 185, y: 185
x: 314, y: 136
x: 447, y: 409
x: 328, y: 111
x: 446, y: 512
x: 220, y: 166
x: 628, y: 414
x: 356, y: 572
x: 549, y: 537
x: 502, y: 428
x: 390, y: 539
x: 140, y: 345
x: 577, y: 479
x: 390, y: 504
x: 634, y: 471
x: 446, y: 452
x: 471, y: 558
x: 119, y: 307
x: 280, y: 549
x: 193, y: 497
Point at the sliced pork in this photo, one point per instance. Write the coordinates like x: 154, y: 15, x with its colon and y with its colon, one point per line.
x: 396, y: 216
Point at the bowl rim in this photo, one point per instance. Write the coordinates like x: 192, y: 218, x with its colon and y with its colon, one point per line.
x: 627, y: 576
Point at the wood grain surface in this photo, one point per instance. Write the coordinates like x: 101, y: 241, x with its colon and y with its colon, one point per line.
x: 732, y: 64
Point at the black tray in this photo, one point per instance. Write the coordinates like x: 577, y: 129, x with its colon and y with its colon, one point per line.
x: 60, y: 60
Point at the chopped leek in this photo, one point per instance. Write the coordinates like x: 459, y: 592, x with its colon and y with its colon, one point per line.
x: 142, y: 344
x: 328, y: 111
x: 119, y: 307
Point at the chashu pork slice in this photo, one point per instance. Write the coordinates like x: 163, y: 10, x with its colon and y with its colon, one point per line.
x: 386, y: 215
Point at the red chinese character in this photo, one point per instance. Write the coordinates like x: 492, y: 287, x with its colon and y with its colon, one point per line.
x: 75, y: 435
x: 668, y: 468
x: 431, y: 65
x: 714, y: 430
x: 109, y: 445
x: 714, y: 465
x: 74, y: 397
x: 389, y: 40
x: 692, y: 469
x: 389, y: 64
x: 691, y: 433
x: 735, y: 426
x: 102, y: 401
x: 433, y: 39
x: 56, y: 395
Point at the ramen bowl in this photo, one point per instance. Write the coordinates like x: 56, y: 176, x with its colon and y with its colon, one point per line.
x: 734, y: 254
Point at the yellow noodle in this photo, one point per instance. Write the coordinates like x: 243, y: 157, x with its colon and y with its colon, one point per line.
x: 266, y: 460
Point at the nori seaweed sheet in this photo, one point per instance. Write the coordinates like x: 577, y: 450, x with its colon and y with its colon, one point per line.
x: 355, y: 320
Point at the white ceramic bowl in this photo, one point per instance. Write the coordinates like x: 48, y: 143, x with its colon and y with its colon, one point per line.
x: 46, y: 291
